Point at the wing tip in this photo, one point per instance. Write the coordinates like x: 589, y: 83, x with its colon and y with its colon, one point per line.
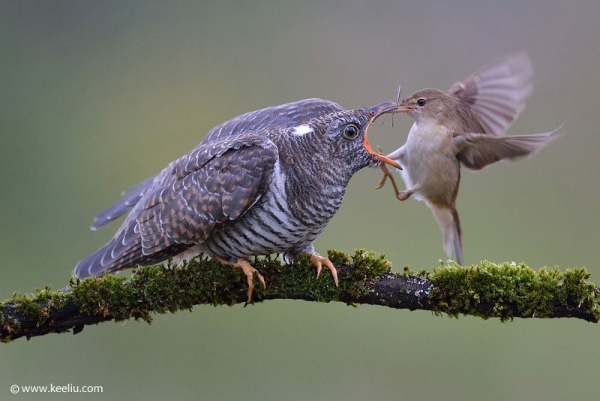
x: 84, y: 267
x: 94, y: 265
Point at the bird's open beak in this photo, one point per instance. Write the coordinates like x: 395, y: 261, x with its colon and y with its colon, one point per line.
x: 376, y: 111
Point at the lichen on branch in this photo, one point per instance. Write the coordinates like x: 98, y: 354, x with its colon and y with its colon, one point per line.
x: 486, y: 290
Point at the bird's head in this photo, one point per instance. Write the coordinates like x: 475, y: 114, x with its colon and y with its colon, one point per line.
x: 428, y: 105
x: 341, y: 137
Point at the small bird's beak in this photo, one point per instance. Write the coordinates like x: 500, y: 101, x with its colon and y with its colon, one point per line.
x: 405, y: 107
x: 383, y: 108
x: 376, y: 111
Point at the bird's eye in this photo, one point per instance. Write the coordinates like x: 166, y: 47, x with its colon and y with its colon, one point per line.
x: 421, y: 102
x: 350, y: 131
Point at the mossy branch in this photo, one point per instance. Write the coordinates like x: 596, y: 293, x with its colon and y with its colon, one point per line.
x: 487, y: 290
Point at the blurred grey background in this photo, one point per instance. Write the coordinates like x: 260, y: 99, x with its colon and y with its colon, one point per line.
x: 96, y: 96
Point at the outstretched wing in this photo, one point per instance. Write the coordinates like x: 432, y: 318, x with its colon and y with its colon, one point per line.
x: 480, y: 150
x: 194, y: 196
x: 284, y: 116
x: 496, y: 94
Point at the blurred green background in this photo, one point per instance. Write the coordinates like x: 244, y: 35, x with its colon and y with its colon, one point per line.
x: 96, y: 96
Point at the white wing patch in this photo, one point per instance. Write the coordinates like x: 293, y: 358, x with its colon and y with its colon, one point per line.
x: 302, y: 130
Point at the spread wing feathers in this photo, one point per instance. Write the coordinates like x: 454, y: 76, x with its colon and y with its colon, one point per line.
x: 496, y: 94
x: 283, y: 116
x: 479, y: 150
x: 190, y: 199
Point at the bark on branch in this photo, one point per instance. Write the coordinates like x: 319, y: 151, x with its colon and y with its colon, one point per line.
x: 486, y: 290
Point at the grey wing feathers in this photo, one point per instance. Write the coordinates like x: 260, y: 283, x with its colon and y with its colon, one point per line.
x: 283, y: 116
x: 480, y: 150
x: 188, y: 211
x: 123, y: 251
x: 496, y: 94
x: 130, y: 198
x: 216, y: 182
x: 195, y: 195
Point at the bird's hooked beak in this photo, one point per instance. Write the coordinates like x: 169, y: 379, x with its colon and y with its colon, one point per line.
x: 375, y: 112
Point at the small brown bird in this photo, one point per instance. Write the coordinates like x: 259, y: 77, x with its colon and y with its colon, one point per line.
x: 465, y: 126
x: 264, y: 182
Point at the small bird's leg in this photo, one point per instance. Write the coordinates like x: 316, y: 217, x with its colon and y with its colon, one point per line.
x: 319, y: 261
x: 401, y: 195
x: 248, y: 271
x: 404, y: 195
x: 387, y: 174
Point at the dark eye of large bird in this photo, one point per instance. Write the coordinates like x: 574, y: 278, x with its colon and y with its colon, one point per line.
x: 350, y: 131
x: 421, y: 102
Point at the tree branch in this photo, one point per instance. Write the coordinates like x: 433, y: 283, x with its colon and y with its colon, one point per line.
x: 487, y: 290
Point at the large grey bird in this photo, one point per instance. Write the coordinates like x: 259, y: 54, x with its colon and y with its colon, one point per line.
x: 264, y: 182
x: 465, y: 126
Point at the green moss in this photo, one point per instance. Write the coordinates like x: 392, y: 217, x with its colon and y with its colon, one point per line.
x: 408, y: 272
x: 486, y: 290
x: 368, y: 265
x: 300, y: 280
x: 35, y: 307
x: 158, y: 289
x: 491, y: 290
x: 576, y: 288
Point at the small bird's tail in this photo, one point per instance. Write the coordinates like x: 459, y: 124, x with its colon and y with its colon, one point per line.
x: 447, y: 219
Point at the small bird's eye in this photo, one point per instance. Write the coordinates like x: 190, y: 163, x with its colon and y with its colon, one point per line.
x: 350, y: 131
x: 422, y: 102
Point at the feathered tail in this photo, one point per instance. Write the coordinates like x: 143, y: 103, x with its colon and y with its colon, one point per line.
x: 447, y: 219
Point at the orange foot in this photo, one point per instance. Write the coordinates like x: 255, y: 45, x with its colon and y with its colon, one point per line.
x: 401, y: 195
x: 319, y: 261
x: 248, y: 271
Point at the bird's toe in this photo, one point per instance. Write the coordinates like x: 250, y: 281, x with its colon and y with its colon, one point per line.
x: 319, y: 261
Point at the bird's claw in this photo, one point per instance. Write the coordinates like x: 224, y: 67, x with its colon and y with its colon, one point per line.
x: 401, y: 195
x: 386, y: 174
x: 248, y: 270
x: 319, y: 261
